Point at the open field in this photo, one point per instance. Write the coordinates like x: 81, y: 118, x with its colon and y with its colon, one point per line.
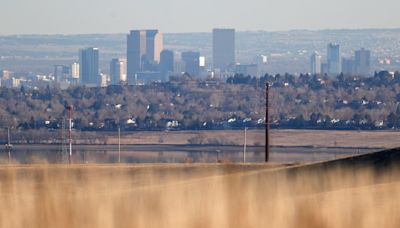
x: 286, y: 138
x: 354, y: 192
x: 288, y: 146
x: 143, y: 153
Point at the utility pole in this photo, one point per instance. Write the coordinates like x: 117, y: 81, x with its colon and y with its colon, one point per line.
x: 119, y: 144
x: 9, y: 145
x: 267, y: 122
x: 69, y: 108
x: 245, y: 145
x: 64, y: 152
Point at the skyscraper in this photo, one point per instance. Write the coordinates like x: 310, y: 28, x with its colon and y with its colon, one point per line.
x: 315, y: 63
x: 348, y: 66
x: 223, y: 48
x: 117, y: 71
x: 143, y: 50
x: 334, y: 59
x: 75, y: 70
x: 362, y: 62
x: 60, y: 72
x: 192, y: 64
x: 136, y: 49
x: 166, y: 62
x: 154, y: 45
x: 89, y: 66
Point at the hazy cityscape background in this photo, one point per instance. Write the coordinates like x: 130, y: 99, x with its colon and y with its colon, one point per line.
x: 286, y: 52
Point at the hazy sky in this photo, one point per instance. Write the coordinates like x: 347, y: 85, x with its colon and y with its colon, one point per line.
x: 116, y: 16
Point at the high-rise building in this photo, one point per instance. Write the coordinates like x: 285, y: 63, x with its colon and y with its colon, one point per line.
x: 324, y: 68
x: 192, y: 62
x: 362, y: 62
x: 103, y: 80
x: 315, y: 63
x: 117, y: 71
x: 75, y: 70
x: 223, y: 48
x: 154, y: 46
x: 348, y: 67
x: 61, y: 73
x: 334, y: 59
x: 89, y: 66
x: 136, y: 49
x: 166, y: 62
x: 143, y: 51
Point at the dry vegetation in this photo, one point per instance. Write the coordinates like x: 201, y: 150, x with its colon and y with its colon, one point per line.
x: 317, y: 138
x: 195, y: 196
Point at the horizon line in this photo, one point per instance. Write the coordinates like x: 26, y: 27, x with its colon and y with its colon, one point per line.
x: 207, y: 32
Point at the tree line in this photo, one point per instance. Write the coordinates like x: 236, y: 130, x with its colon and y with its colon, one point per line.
x: 189, y: 103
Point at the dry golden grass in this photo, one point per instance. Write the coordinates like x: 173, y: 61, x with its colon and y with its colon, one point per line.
x: 363, y: 139
x: 195, y: 196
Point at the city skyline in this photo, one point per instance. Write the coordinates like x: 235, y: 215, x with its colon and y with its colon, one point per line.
x: 50, y: 17
x: 258, y: 61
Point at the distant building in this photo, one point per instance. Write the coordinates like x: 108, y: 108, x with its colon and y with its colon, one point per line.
x: 223, y: 48
x: 179, y: 66
x: 166, y: 63
x: 11, y: 82
x: 247, y: 69
x: 61, y: 73
x: 143, y: 51
x: 192, y: 62
x: 89, y: 66
x: 103, y: 80
x: 117, y: 71
x: 348, y: 66
x: 136, y: 49
x: 5, y: 74
x: 362, y: 62
x: 75, y: 70
x: 154, y: 46
x: 334, y: 59
x: 315, y: 63
x: 261, y: 59
x: 324, y: 68
x: 262, y: 64
x: 143, y: 78
x: 202, y: 61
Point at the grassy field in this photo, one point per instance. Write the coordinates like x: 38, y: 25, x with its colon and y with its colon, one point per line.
x: 287, y: 146
x: 289, y: 138
x: 199, y: 196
